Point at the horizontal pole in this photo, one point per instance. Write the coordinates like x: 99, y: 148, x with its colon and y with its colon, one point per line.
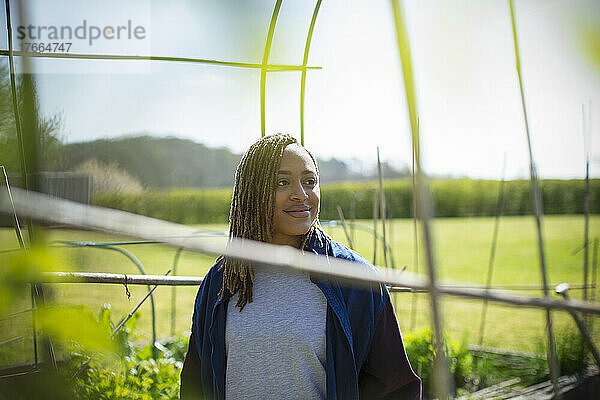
x: 98, y: 277
x: 519, y: 287
x: 479, y: 293
x: 119, y: 57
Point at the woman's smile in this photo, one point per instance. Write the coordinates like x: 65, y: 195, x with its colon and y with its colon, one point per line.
x: 298, y: 211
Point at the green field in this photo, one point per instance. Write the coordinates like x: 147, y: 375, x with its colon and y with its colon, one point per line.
x: 462, y: 248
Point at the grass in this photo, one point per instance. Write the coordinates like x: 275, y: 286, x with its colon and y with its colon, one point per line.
x: 462, y: 247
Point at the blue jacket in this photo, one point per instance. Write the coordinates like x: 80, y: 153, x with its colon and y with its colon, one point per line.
x: 365, y: 356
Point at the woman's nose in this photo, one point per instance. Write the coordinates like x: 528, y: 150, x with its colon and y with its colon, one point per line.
x: 298, y: 192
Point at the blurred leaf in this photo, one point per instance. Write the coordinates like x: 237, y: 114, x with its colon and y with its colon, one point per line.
x: 19, y: 270
x: 77, y: 324
x: 589, y: 42
x: 104, y: 315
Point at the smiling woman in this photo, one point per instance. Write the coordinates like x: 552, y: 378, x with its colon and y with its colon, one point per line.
x: 297, y: 196
x: 268, y: 334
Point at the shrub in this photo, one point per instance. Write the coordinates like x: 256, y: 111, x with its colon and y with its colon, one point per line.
x: 570, y: 351
x: 452, y: 198
x: 182, y: 206
x: 421, y: 353
x: 140, y: 379
x: 135, y: 375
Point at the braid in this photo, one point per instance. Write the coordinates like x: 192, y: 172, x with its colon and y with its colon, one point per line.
x: 251, y: 214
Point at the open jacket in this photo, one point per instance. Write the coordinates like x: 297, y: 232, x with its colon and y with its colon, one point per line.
x: 365, y: 356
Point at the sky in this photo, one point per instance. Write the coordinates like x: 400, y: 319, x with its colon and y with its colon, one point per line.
x: 468, y: 94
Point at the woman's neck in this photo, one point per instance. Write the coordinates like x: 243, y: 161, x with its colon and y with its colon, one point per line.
x: 286, y: 240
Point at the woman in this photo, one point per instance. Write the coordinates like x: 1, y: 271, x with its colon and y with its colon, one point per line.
x: 263, y: 333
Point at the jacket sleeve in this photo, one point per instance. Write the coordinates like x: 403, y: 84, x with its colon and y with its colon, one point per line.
x: 191, y: 386
x: 191, y: 374
x: 386, y: 372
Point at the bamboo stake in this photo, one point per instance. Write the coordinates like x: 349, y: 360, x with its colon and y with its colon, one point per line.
x: 594, y: 277
x: 13, y: 88
x: 537, y: 210
x: 16, y: 224
x: 382, y: 208
x: 304, y: 62
x: 375, y: 213
x: 586, y: 228
x: 413, y: 317
x: 341, y: 214
x: 390, y: 222
x: 392, y: 261
x: 28, y: 157
x: 499, y: 204
x: 442, y: 379
x: 265, y: 60
x: 586, y: 206
x: 174, y: 292
x: 353, y: 217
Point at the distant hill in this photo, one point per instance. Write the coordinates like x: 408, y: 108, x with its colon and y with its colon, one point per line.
x: 173, y: 162
x: 160, y: 162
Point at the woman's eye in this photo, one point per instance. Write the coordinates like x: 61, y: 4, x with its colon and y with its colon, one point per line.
x: 310, y: 181
x: 282, y: 182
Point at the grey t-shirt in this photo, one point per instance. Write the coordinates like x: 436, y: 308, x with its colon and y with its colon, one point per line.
x: 275, y: 346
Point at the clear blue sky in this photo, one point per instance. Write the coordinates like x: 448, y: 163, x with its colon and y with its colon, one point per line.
x: 470, y: 111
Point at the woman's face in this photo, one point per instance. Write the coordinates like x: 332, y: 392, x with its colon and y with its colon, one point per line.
x: 297, y: 196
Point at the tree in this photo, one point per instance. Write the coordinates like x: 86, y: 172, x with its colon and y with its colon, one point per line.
x: 49, y: 128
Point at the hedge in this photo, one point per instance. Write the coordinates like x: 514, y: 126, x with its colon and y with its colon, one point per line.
x: 451, y: 198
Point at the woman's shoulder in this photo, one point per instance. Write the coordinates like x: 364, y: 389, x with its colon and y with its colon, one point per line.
x: 216, y: 269
x: 215, y: 273
x: 212, y: 281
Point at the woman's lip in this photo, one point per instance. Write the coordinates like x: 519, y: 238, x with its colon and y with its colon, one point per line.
x: 298, y: 214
